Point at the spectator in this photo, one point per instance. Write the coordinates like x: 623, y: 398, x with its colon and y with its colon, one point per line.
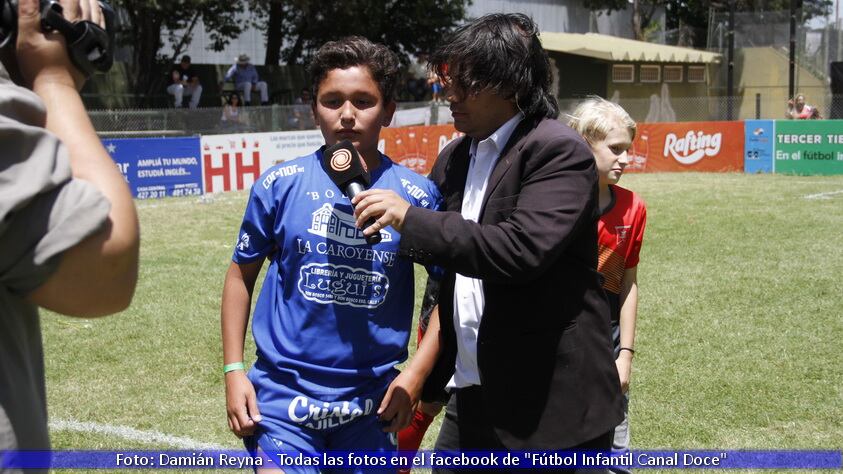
x: 798, y: 109
x: 233, y: 117
x: 69, y: 230
x: 305, y: 97
x: 435, y: 84
x: 301, y: 113
x: 184, y: 81
x: 246, y: 78
x: 609, y: 130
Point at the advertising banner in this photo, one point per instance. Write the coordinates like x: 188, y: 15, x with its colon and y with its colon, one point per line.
x: 758, y: 146
x: 158, y: 167
x: 416, y: 147
x: 809, y: 147
x: 235, y: 161
x: 688, y: 146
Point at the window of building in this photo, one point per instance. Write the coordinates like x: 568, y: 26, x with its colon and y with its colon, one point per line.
x: 623, y: 73
x: 696, y: 73
x: 650, y: 73
x: 673, y: 73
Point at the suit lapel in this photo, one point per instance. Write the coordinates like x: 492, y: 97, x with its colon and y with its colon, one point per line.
x: 508, y: 155
x: 456, y: 174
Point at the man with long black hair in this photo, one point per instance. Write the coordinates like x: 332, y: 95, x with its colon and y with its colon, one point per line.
x: 525, y: 340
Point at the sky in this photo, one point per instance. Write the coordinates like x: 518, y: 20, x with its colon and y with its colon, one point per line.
x: 821, y: 22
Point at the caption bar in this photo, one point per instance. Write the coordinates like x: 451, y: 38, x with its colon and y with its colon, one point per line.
x: 422, y: 459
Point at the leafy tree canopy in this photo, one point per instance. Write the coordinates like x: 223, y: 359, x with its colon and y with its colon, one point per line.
x: 694, y: 13
x: 296, y: 28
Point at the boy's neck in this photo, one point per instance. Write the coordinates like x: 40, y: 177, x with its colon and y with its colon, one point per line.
x: 604, y: 197
x: 371, y: 159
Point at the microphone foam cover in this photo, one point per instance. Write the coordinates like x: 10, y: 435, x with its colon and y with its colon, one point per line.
x: 342, y: 163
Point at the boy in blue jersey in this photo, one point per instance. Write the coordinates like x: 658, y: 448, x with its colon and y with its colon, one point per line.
x: 334, y: 313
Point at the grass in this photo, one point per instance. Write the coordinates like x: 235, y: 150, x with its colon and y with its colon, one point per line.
x: 738, y: 340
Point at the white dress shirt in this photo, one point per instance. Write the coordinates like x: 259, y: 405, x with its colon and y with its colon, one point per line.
x: 468, y: 292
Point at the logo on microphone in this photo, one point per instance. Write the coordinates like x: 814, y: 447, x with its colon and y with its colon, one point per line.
x: 341, y: 160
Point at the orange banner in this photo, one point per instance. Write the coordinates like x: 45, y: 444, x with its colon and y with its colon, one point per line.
x: 416, y: 147
x: 688, y: 146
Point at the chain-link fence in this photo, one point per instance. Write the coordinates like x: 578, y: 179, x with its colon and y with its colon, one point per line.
x: 205, y: 121
x: 184, y: 122
x: 815, y: 47
x: 770, y: 104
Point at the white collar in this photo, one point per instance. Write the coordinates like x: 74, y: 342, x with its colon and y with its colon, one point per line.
x: 500, y: 136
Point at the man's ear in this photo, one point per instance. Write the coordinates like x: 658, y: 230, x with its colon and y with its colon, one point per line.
x: 389, y: 111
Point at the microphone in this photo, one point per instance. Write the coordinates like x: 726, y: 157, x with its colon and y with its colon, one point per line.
x: 342, y: 163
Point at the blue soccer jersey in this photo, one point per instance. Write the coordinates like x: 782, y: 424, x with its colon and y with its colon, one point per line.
x: 334, y: 313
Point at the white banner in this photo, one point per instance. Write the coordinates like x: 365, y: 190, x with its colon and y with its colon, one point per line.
x: 234, y: 161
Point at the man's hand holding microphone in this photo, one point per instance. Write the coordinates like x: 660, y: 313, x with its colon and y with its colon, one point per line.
x: 375, y: 209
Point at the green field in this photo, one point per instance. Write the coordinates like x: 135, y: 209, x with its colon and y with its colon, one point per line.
x: 739, y: 340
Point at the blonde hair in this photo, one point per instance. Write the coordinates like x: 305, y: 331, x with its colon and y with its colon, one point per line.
x: 595, y: 117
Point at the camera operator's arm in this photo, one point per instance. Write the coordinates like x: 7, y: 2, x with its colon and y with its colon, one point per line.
x: 98, y: 275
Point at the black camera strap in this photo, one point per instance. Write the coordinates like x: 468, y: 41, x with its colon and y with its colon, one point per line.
x: 90, y: 47
x: 87, y: 42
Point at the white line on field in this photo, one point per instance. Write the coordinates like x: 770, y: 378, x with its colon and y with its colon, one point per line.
x: 823, y: 195
x: 132, y: 434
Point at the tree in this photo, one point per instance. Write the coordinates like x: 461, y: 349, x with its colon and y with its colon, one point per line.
x: 643, y: 12
x: 148, y: 19
x: 296, y: 28
x: 810, y: 8
x: 693, y: 14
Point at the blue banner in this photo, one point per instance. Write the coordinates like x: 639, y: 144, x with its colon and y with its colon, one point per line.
x: 368, y: 460
x: 158, y: 167
x: 758, y: 146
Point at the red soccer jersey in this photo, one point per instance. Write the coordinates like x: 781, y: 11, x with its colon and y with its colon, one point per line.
x: 620, y: 232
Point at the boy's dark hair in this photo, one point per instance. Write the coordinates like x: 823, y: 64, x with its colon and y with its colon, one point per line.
x: 357, y: 51
x: 500, y: 52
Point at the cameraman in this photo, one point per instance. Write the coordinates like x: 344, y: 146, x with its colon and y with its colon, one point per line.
x: 68, y: 227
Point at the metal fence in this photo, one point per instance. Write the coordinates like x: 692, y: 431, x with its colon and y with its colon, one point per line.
x: 815, y: 47
x: 183, y: 122
x: 770, y: 104
x: 118, y: 123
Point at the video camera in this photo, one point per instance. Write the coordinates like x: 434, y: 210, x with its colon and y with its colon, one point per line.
x: 90, y: 47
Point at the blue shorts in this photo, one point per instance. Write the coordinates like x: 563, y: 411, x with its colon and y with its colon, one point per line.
x: 295, y: 423
x: 296, y: 444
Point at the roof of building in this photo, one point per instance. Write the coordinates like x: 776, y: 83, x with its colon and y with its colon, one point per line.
x: 615, y: 49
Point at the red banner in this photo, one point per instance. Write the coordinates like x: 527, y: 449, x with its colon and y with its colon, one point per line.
x: 417, y: 147
x: 688, y: 146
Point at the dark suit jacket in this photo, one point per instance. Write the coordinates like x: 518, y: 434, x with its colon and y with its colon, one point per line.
x: 544, y: 346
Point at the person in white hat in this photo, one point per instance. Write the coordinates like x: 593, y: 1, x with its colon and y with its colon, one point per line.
x: 245, y: 78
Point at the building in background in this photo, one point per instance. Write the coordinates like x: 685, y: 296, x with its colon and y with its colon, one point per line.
x: 653, y: 82
x: 561, y: 16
